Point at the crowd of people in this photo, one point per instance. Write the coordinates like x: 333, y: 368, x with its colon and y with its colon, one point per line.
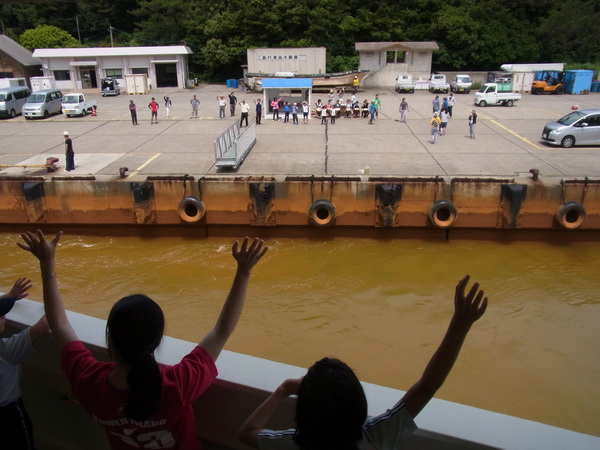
x: 442, y: 113
x: 141, y: 404
x: 327, y: 112
x: 335, y: 106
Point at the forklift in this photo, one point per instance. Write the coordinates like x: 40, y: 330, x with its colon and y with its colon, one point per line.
x: 548, y: 81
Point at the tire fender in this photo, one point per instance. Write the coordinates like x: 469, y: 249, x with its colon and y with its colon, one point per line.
x: 191, y: 209
x: 443, y: 214
x: 322, y: 213
x: 571, y: 215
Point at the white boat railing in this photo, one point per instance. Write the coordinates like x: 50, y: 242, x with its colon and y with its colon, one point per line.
x: 244, y: 382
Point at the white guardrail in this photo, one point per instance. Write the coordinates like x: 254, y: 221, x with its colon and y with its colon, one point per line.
x: 243, y: 383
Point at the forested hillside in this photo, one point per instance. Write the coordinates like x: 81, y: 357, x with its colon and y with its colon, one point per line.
x: 472, y: 34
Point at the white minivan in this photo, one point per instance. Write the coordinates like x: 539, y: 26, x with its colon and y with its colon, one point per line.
x: 12, y: 100
x: 43, y: 103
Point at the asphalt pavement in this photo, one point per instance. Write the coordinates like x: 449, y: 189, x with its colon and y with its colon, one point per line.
x: 508, y: 139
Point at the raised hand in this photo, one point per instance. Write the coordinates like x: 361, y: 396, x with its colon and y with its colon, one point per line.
x: 469, y: 307
x: 247, y: 257
x: 44, y: 250
x: 39, y: 247
x: 20, y: 288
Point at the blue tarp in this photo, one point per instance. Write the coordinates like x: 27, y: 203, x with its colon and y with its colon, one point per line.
x: 287, y: 83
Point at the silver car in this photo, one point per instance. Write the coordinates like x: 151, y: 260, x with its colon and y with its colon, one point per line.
x: 576, y: 128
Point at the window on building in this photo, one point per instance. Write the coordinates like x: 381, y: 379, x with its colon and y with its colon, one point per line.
x: 62, y: 75
x: 114, y: 73
x: 139, y: 70
x: 6, y: 75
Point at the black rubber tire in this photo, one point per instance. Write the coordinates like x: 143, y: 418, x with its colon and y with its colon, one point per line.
x: 567, y: 142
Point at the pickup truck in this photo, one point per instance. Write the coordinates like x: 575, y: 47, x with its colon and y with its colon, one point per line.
x: 461, y: 83
x: 489, y: 94
x: 75, y: 104
x: 437, y: 83
x: 405, y: 83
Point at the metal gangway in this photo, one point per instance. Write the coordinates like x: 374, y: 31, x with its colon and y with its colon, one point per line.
x: 233, y: 145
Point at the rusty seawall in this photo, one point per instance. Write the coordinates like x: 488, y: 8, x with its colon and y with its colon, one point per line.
x: 360, y: 203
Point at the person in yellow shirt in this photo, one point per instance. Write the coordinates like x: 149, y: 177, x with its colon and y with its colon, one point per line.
x: 355, y: 83
x: 435, y: 126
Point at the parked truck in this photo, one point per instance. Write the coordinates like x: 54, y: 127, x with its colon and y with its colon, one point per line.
x: 490, y: 94
x: 461, y: 83
x: 405, y: 83
x: 437, y: 83
x: 75, y: 104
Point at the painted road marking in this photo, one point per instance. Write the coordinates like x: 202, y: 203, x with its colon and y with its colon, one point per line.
x: 136, y: 171
x: 517, y: 135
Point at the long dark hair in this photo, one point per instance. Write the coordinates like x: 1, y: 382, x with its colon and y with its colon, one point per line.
x: 331, y: 407
x: 134, y: 329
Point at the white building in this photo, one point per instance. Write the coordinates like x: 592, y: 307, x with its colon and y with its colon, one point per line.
x: 83, y: 68
x: 305, y: 61
x: 385, y: 60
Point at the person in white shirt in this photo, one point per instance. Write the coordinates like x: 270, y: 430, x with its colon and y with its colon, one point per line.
x: 17, y: 430
x: 245, y: 109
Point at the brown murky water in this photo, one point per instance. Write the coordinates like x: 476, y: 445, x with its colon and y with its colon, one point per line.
x: 382, y: 306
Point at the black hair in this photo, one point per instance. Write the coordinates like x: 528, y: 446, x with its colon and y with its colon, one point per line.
x: 134, y: 329
x: 331, y: 407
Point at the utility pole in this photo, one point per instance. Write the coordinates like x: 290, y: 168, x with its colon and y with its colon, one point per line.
x: 112, y: 44
x: 78, y: 33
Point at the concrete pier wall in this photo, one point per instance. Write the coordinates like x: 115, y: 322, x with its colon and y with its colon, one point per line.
x: 314, y: 202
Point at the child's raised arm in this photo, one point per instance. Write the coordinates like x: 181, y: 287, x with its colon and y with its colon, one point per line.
x: 467, y: 309
x: 246, y: 256
x: 248, y: 433
x: 19, y: 289
x: 45, y: 252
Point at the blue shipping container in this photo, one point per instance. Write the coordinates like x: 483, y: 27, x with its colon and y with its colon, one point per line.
x: 578, y: 81
x: 234, y: 83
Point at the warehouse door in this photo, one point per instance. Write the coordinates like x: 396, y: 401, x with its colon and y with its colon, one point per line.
x: 166, y: 75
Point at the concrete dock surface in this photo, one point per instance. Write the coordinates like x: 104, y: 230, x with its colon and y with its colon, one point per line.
x: 507, y: 144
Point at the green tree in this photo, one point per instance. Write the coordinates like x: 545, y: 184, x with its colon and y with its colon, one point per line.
x: 468, y: 42
x: 162, y: 22
x: 47, y: 36
x: 570, y: 32
x: 471, y: 34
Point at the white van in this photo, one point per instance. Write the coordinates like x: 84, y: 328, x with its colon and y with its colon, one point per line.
x: 43, y: 103
x: 12, y: 100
